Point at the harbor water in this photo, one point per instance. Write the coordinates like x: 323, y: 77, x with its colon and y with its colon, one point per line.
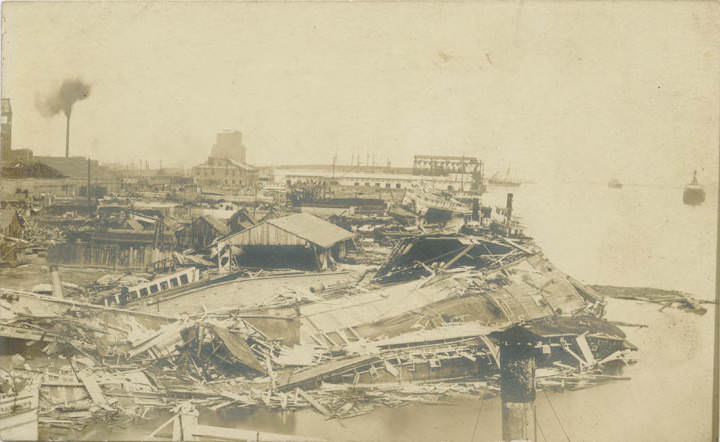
x: 634, y: 236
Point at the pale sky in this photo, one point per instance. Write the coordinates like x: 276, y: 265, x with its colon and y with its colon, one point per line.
x: 560, y: 90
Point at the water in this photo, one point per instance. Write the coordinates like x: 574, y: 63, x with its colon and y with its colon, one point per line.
x: 635, y: 236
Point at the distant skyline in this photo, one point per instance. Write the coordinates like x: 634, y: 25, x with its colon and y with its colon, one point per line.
x: 560, y: 91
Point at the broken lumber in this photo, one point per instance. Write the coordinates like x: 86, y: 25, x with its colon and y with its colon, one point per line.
x: 94, y: 390
x: 317, y: 405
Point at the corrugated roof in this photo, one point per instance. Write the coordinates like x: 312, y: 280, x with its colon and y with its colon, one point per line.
x: 312, y: 229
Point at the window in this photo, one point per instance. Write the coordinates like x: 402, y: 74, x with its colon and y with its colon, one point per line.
x: 450, y: 188
x: 387, y: 185
x: 357, y: 184
x: 397, y: 186
x: 377, y: 184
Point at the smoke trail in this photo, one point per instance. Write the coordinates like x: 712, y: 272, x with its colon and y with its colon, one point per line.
x: 70, y: 91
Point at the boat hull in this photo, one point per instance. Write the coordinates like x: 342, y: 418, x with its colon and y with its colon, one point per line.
x: 693, y: 197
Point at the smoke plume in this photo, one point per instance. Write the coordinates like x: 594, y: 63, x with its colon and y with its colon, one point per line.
x: 70, y: 91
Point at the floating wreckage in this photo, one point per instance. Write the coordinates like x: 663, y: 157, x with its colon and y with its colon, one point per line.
x: 694, y: 193
x: 422, y: 329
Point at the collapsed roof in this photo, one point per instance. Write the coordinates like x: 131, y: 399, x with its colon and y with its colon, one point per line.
x: 427, y: 253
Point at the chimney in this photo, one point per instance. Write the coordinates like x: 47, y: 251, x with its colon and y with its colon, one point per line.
x: 67, y: 137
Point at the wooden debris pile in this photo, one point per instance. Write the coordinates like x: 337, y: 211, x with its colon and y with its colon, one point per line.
x: 667, y: 298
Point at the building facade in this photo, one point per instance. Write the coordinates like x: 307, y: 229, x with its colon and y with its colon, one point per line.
x: 225, y: 173
x: 387, y: 181
x: 226, y: 167
x: 445, y: 164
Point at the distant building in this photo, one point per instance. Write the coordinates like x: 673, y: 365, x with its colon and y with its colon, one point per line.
x: 73, y: 167
x: 445, y: 164
x: 229, y: 146
x: 388, y: 181
x: 226, y: 167
x: 217, y: 172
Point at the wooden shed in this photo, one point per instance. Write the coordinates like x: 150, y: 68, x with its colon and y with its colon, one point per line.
x: 205, y: 229
x: 299, y: 240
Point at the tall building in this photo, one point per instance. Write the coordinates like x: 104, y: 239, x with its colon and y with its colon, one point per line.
x: 6, y: 129
x: 229, y: 146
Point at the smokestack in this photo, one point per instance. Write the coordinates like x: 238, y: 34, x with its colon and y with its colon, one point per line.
x: 63, y: 100
x: 67, y: 137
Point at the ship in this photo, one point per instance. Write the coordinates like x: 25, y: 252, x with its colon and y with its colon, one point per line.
x: 615, y: 184
x: 504, y: 181
x: 694, y: 193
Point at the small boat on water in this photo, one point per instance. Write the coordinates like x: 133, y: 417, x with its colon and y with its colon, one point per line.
x: 615, y: 184
x: 506, y: 181
x: 19, y: 414
x: 694, y: 193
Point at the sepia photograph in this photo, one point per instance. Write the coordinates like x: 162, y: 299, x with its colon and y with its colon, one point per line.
x: 330, y: 220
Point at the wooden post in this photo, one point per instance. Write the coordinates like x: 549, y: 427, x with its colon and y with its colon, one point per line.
x: 517, y: 391
x: 89, y: 182
x: 188, y: 421
x: 56, y: 283
x: 508, y: 212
